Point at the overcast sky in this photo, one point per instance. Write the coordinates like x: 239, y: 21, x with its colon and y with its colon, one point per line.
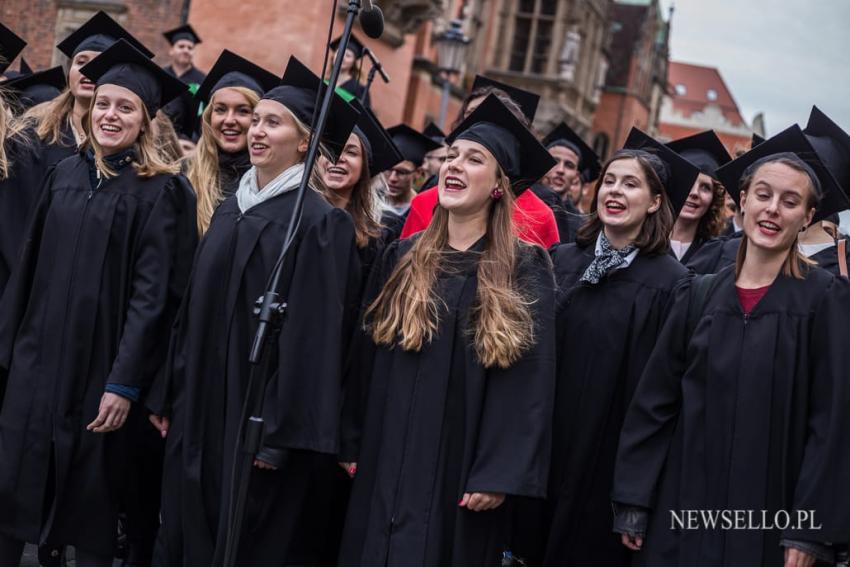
x: 777, y: 56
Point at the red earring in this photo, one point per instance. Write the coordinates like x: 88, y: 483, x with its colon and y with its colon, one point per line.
x: 496, y: 194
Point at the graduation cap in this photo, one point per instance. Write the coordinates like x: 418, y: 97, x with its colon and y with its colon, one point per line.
x: 434, y: 132
x: 790, y: 140
x: 412, y: 144
x: 354, y: 45
x: 526, y: 100
x: 36, y: 87
x: 98, y: 34
x: 756, y: 140
x: 381, y: 152
x: 521, y: 156
x: 298, y: 92
x: 565, y: 136
x: 125, y: 66
x: 182, y: 32
x: 704, y: 150
x: 832, y: 145
x: 11, y: 46
x: 681, y: 174
x: 231, y: 70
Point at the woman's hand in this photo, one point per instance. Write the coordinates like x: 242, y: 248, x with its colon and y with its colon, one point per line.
x: 481, y: 501
x: 161, y: 423
x: 797, y: 558
x: 111, y: 415
x: 349, y: 468
x: 635, y: 543
x: 262, y: 465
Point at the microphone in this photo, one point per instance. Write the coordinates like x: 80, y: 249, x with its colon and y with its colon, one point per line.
x: 371, y: 19
x: 376, y: 63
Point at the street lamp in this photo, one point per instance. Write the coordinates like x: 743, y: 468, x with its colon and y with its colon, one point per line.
x: 451, y: 53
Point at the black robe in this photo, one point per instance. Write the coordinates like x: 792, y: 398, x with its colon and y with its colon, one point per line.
x: 209, y: 371
x: 392, y: 225
x: 19, y: 193
x: 567, y: 217
x: 183, y: 110
x: 743, y: 412
x: 828, y: 259
x: 353, y: 87
x: 438, y: 424
x: 101, y: 274
x: 606, y: 333
x: 231, y: 168
x: 714, y: 254
x: 54, y: 153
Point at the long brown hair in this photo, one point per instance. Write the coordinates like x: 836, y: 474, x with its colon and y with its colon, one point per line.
x: 203, y: 167
x: 654, y: 236
x: 362, y: 204
x: 149, y: 157
x: 796, y: 265
x: 713, y: 221
x: 407, y: 310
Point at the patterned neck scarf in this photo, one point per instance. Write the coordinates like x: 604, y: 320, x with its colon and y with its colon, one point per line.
x: 607, y: 259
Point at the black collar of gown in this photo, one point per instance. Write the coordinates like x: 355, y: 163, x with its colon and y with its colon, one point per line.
x: 231, y: 168
x: 116, y: 162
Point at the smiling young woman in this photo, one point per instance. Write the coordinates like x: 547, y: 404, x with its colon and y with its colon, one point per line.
x: 448, y: 415
x: 229, y: 92
x: 197, y: 404
x: 742, y: 404
x: 105, y: 260
x: 614, y: 284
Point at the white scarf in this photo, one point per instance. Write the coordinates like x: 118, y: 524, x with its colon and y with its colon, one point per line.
x: 249, y: 195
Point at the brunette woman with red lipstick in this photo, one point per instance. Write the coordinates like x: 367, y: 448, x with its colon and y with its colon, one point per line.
x: 743, y: 403
x: 614, y: 285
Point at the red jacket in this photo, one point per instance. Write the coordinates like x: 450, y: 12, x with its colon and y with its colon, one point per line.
x: 534, y: 220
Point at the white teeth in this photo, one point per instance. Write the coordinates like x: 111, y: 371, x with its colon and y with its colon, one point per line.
x: 337, y: 170
x: 769, y: 225
x: 259, y: 146
x: 612, y: 205
x: 454, y: 184
x: 230, y: 132
x: 110, y: 128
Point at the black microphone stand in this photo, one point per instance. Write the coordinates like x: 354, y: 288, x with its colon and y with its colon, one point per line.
x: 369, y: 79
x: 270, y: 313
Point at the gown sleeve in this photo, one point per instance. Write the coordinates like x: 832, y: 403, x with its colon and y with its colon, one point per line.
x: 302, y: 401
x: 359, y: 370
x: 515, y: 434
x: 651, y: 418
x: 160, y: 272
x: 822, y: 484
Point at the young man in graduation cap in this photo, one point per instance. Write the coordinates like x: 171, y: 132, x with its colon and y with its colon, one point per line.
x: 183, y: 40
x: 349, y: 78
x: 534, y: 220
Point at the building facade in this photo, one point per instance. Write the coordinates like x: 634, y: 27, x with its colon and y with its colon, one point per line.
x: 699, y: 99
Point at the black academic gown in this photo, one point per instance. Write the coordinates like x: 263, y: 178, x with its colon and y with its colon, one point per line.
x: 209, y: 371
x: 714, y: 254
x: 19, y: 193
x: 606, y: 333
x: 828, y: 259
x: 355, y: 88
x: 742, y: 413
x: 436, y: 424
x: 54, y: 153
x: 692, y: 251
x: 231, y: 168
x: 567, y: 217
x: 392, y: 225
x: 101, y: 274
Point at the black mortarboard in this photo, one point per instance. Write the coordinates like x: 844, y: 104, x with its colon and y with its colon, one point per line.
x: 98, y: 34
x: 521, y: 156
x: 756, y: 140
x: 791, y: 140
x: 34, y: 88
x: 298, y: 92
x: 125, y: 66
x: 183, y: 32
x: 381, y: 152
x: 434, y: 132
x: 354, y: 45
x: 231, y: 70
x: 526, y: 100
x: 565, y: 136
x: 832, y: 145
x: 680, y: 175
x: 412, y: 144
x: 10, y: 46
x: 25, y: 67
x: 704, y: 150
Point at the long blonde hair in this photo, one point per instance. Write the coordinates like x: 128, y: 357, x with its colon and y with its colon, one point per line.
x: 203, y: 167
x: 407, y: 310
x: 10, y: 129
x: 150, y: 160
x: 49, y: 118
